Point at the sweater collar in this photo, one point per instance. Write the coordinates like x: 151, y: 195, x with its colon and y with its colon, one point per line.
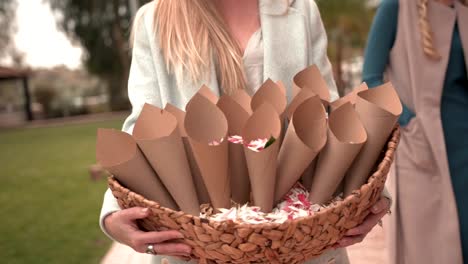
x: 275, y: 7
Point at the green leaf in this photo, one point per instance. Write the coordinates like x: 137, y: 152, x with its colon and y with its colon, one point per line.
x: 270, y: 142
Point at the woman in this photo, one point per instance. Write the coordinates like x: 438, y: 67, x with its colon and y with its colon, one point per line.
x: 423, y: 47
x: 228, y: 45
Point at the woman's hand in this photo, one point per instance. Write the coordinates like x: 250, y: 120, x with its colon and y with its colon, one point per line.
x: 122, y: 226
x: 357, y: 234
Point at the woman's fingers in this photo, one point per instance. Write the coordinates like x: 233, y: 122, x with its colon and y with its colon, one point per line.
x: 371, y: 221
x: 350, y: 240
x: 133, y: 214
x: 381, y: 206
x: 172, y: 249
x: 141, y: 240
x: 158, y: 237
x: 379, y: 210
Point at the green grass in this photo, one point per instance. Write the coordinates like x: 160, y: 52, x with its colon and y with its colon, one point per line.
x: 49, y: 206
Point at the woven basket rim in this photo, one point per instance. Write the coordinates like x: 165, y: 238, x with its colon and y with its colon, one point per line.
x: 385, y: 162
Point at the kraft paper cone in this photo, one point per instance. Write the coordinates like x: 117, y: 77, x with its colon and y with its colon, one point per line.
x: 241, y: 97
x: 237, y: 117
x: 202, y: 193
x: 301, y: 97
x: 351, y: 97
x: 306, y: 136
x: 306, y: 177
x: 346, y: 136
x: 310, y: 78
x: 264, y: 123
x: 295, y: 91
x: 379, y: 109
x: 159, y: 138
x: 338, y: 190
x: 270, y: 93
x: 208, y: 94
x: 282, y: 87
x: 118, y: 153
x: 179, y: 115
x: 206, y: 123
x: 204, y: 91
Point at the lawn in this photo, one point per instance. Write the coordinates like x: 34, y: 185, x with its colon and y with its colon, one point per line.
x: 49, y: 206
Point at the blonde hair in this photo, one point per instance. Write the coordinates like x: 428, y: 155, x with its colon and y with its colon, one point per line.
x: 190, y: 34
x: 427, y: 35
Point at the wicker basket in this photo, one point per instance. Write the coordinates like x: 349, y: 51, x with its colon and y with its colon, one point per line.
x: 291, y: 242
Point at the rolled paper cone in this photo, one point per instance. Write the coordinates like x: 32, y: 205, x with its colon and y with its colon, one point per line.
x: 180, y: 116
x: 346, y: 136
x: 295, y: 90
x: 270, y: 93
x: 159, y: 139
x: 282, y: 87
x: 301, y: 97
x: 351, y: 97
x: 237, y: 117
x: 241, y: 97
x: 311, y: 78
x: 202, y: 192
x: 206, y: 92
x: 379, y: 109
x: 206, y: 123
x: 306, y: 177
x: 339, y: 190
x: 200, y: 187
x: 264, y: 123
x: 306, y: 136
x: 119, y: 154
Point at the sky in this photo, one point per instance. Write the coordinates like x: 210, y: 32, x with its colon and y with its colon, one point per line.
x: 40, y: 39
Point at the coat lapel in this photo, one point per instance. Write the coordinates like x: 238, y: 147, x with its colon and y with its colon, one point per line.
x: 462, y: 12
x: 443, y: 21
x: 284, y: 40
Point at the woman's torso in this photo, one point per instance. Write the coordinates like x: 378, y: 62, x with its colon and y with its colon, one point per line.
x: 277, y: 50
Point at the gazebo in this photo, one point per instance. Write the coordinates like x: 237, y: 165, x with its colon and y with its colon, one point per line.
x: 11, y: 74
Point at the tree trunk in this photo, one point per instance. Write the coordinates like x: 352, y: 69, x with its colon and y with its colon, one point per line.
x: 118, y: 95
x: 339, y: 65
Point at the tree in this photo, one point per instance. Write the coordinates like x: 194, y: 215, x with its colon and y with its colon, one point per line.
x: 102, y: 29
x: 7, y: 30
x: 347, y: 23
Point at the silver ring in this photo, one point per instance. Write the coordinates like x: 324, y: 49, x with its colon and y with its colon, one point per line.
x: 150, y: 250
